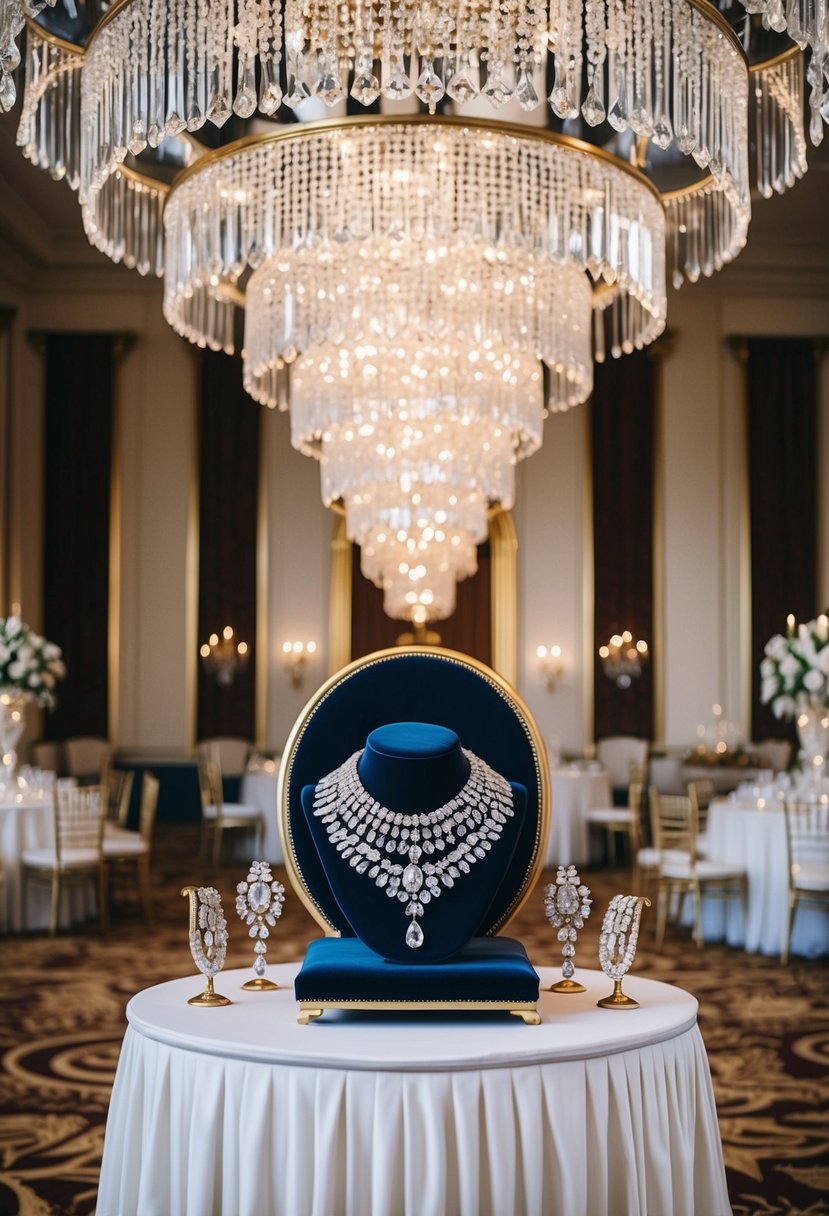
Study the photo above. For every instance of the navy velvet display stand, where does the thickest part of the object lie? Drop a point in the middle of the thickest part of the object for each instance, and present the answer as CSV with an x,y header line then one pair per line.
x,y
411,768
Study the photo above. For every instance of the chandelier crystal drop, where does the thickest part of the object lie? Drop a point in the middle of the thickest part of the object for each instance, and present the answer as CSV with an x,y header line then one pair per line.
x,y
807,23
780,143
380,207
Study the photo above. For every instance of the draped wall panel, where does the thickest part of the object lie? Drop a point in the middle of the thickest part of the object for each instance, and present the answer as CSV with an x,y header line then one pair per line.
x,y
78,422
228,507
781,379
622,448
468,630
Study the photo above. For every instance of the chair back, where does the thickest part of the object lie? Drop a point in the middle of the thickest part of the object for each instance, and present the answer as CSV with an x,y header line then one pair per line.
x,y
210,785
79,818
48,756
776,753
701,793
86,755
230,754
807,838
149,806
616,754
635,791
673,823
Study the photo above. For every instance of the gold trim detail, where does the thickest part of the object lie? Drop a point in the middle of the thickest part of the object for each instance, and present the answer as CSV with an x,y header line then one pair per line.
x,y
765,65
526,1010
302,130
700,187
62,44
497,682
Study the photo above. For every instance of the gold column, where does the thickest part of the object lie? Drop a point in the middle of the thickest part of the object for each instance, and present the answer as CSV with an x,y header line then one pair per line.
x,y
339,603
262,631
7,316
503,545
739,348
191,593
121,346
658,352
588,584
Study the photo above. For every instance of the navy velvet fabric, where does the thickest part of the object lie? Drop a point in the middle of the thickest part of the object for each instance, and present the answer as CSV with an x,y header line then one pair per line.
x,y
436,688
487,969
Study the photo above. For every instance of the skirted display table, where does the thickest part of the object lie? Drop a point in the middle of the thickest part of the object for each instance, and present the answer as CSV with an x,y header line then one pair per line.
x,y
241,1110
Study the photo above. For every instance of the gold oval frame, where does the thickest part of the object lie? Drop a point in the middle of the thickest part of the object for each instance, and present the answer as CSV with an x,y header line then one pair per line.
x,y
501,687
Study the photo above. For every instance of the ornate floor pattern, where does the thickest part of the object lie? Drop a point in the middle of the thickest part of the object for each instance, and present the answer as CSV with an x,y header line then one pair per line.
x,y
62,1021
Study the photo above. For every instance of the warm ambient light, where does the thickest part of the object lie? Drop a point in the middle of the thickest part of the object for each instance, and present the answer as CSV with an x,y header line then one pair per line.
x,y
223,657
550,665
623,658
295,656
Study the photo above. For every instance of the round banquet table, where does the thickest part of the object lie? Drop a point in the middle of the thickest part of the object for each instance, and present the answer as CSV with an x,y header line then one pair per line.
x,y
573,792
240,1110
754,836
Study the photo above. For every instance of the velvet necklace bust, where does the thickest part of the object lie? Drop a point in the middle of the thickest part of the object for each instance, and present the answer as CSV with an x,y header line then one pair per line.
x,y
415,835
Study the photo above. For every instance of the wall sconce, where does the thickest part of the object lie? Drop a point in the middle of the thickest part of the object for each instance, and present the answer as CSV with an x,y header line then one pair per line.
x,y
623,658
550,665
223,657
294,657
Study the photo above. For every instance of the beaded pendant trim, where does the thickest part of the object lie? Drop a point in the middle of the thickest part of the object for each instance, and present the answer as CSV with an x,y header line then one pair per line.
x,y
451,838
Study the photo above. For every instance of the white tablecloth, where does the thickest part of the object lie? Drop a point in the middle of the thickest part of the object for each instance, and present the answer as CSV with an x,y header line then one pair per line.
x,y
25,825
259,789
574,792
756,839
240,1111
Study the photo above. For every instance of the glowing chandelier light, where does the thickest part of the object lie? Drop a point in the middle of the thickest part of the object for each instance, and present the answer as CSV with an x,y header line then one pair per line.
x,y
373,211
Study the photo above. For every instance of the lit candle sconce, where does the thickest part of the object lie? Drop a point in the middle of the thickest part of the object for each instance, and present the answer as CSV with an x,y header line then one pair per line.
x,y
623,658
550,665
223,657
295,656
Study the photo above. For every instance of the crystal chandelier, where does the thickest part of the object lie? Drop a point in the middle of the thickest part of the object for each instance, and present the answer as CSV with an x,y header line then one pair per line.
x,y
420,289
223,657
623,658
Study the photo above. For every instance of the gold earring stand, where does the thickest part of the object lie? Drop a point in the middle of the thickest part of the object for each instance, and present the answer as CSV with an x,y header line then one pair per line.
x,y
260,984
567,986
209,999
617,999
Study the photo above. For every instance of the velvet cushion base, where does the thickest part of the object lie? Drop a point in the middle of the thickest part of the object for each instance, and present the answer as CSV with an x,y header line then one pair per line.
x,y
487,969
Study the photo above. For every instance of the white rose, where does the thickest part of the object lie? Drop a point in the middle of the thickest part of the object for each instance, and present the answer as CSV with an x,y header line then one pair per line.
x,y
4,652
789,667
48,679
17,670
57,668
51,651
814,680
768,667
13,626
769,689
34,680
783,707
776,647
822,661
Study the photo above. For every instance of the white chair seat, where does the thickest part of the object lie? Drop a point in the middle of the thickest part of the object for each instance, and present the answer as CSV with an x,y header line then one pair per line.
x,y
234,810
649,857
811,877
706,871
113,831
124,844
46,858
610,814
702,846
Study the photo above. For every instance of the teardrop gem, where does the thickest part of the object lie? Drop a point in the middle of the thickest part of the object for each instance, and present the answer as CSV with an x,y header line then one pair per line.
x,y
414,935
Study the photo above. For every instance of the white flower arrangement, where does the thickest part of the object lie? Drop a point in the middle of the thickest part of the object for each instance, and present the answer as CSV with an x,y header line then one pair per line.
x,y
796,667
29,665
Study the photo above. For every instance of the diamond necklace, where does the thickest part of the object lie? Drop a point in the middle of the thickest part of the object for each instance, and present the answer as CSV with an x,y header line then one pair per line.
x,y
368,836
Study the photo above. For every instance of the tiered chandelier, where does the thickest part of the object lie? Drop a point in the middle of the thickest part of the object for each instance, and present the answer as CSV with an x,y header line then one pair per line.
x,y
421,287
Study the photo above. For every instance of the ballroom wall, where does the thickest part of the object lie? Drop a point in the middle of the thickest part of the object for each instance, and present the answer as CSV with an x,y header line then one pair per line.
x,y
701,538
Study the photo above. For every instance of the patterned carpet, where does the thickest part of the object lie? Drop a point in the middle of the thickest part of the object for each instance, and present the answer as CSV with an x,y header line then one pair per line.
x,y
62,1021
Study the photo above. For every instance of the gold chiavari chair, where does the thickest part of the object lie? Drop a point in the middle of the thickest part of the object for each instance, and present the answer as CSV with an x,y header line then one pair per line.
x,y
807,862
124,848
219,816
681,870
77,853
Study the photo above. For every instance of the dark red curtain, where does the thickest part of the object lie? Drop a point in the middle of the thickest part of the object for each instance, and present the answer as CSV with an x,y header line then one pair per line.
x,y
781,378
228,498
77,458
468,630
622,439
